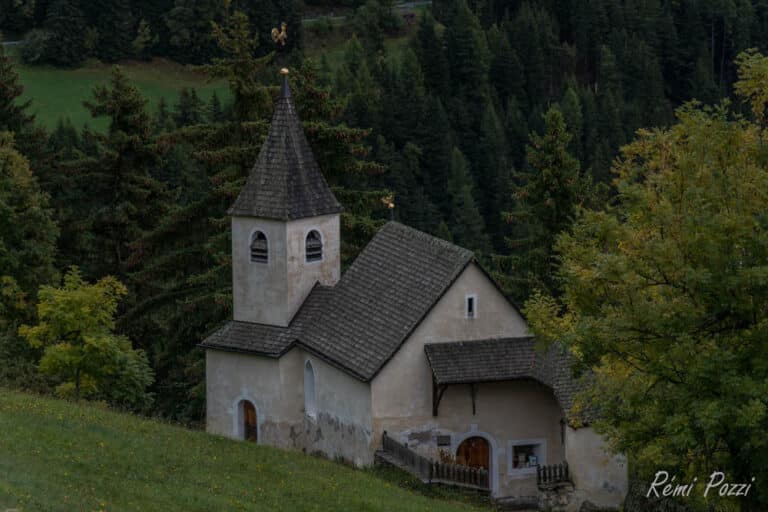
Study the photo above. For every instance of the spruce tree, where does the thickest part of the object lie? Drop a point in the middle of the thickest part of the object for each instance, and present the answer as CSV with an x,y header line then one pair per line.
x,y
435,140
431,53
163,119
493,174
66,24
468,50
116,28
188,109
14,116
216,112
545,201
123,199
466,223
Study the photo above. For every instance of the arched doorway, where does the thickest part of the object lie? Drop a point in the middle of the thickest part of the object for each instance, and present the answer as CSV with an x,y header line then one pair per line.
x,y
474,452
250,429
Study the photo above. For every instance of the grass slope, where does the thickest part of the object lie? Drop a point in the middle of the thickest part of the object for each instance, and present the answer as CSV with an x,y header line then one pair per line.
x,y
56,455
59,93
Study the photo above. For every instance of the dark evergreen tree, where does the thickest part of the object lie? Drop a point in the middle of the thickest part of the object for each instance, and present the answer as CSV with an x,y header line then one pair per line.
x,y
115,25
189,109
466,223
14,115
545,200
435,140
216,112
66,25
163,119
123,199
431,53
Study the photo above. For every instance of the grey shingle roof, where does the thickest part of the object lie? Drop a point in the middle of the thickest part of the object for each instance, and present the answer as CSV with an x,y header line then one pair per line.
x,y
268,340
286,182
504,359
361,322
383,296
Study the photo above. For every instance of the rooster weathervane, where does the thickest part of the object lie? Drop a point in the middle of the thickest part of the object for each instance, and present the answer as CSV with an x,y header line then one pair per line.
x,y
280,36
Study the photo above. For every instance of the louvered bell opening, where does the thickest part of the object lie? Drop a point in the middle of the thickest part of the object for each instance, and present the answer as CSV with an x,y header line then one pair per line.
x,y
314,246
259,249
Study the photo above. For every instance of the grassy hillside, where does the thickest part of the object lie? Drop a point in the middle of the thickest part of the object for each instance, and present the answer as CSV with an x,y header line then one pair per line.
x,y
56,455
59,93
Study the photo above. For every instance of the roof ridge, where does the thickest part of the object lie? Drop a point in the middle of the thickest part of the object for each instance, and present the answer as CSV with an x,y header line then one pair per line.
x,y
423,235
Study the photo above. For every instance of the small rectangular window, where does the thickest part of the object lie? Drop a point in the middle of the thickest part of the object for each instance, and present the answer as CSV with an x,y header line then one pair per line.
x,y
471,311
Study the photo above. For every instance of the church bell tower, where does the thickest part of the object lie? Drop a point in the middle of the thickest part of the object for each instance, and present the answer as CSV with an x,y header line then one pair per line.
x,y
285,225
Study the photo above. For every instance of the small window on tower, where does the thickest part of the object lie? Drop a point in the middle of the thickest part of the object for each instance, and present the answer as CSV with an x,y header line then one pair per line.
x,y
314,246
259,248
471,306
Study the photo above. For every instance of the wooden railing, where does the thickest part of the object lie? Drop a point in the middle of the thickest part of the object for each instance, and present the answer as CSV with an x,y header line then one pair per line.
x,y
552,474
435,472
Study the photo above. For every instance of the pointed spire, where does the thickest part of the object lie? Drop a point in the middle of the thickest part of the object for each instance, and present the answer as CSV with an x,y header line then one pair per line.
x,y
286,183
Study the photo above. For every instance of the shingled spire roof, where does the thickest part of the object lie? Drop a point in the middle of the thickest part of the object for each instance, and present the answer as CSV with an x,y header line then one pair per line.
x,y
286,182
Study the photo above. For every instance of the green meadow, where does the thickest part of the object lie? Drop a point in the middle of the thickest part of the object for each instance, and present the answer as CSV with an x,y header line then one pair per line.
x,y
57,455
59,93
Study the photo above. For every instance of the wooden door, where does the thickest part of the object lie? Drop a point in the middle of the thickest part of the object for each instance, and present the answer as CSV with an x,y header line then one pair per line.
x,y
249,418
474,452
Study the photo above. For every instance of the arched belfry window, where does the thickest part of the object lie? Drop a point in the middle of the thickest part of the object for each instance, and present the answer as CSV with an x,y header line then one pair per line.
x,y
259,248
314,246
310,402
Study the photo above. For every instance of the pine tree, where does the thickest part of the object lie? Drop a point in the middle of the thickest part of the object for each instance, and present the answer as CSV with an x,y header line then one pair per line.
x,y
545,200
466,223
412,206
66,24
402,101
123,199
116,28
431,53
163,119
493,174
468,50
13,111
144,40
506,70
188,110
435,140
533,35
64,141
215,110
570,106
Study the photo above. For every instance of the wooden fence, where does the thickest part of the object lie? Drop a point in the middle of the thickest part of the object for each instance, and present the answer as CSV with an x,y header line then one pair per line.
x,y
434,472
552,474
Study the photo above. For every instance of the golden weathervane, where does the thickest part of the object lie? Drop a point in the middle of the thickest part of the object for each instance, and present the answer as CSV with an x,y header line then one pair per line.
x,y
280,36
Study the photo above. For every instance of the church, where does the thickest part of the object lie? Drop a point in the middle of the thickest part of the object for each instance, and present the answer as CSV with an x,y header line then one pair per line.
x,y
414,340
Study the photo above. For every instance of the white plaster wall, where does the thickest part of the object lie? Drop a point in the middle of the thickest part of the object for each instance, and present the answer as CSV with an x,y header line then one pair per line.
x,y
402,391
231,377
259,291
598,475
340,429
342,426
408,370
271,293
302,275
